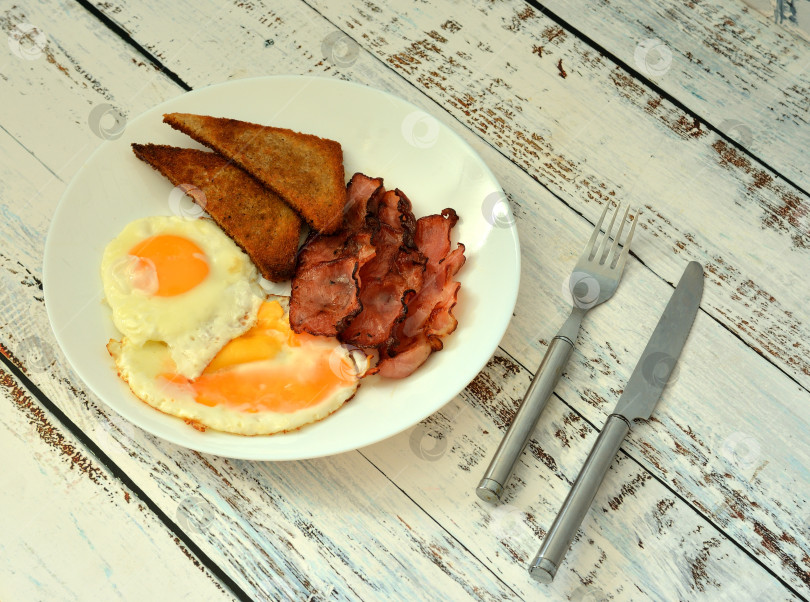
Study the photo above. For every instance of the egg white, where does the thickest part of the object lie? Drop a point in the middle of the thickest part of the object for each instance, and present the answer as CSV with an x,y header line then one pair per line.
x,y
194,325
141,366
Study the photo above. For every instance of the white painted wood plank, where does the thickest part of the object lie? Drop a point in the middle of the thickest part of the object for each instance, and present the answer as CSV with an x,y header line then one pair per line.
x,y
793,16
551,242
71,530
50,66
531,226
734,67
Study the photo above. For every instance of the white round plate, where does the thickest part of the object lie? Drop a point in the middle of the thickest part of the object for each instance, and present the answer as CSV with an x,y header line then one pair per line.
x,y
381,135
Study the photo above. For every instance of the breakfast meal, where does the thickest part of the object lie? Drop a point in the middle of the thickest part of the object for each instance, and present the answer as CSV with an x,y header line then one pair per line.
x,y
372,288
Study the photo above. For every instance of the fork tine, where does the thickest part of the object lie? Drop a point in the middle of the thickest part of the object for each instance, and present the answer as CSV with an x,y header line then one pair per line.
x,y
600,256
613,254
589,248
626,249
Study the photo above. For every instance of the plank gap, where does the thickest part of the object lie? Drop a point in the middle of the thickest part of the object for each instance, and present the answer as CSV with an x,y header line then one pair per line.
x,y
121,33
658,90
28,150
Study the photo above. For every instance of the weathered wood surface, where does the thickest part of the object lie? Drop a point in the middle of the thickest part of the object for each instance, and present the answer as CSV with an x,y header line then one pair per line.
x,y
725,62
793,16
551,243
71,528
366,522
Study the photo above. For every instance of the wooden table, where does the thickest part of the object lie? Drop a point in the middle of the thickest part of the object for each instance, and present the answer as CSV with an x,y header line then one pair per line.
x,y
695,113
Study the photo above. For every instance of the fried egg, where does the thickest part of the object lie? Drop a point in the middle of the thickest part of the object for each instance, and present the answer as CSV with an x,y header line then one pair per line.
x,y
183,283
265,381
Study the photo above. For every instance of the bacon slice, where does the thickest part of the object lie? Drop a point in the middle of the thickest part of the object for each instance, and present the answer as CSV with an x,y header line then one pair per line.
x,y
407,361
395,270
326,285
360,190
330,290
429,312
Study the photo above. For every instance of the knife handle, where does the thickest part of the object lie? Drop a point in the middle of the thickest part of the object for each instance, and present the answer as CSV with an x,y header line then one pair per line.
x,y
576,505
535,400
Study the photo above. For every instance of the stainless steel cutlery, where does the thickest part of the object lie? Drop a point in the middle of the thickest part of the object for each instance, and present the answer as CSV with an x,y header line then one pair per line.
x,y
593,281
642,392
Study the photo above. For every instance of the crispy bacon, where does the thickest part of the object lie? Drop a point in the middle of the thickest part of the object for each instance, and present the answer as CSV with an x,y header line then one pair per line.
x,y
432,235
326,285
359,192
395,270
386,281
429,313
407,361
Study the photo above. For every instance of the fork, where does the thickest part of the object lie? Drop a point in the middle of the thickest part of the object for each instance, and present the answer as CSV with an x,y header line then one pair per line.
x,y
593,281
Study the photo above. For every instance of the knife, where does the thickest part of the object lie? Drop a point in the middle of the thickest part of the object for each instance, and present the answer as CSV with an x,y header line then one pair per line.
x,y
637,402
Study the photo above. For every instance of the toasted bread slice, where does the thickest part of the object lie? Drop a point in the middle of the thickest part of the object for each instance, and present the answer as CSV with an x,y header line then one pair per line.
x,y
304,170
252,216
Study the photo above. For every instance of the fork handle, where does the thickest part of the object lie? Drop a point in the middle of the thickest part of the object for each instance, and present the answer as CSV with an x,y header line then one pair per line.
x,y
500,468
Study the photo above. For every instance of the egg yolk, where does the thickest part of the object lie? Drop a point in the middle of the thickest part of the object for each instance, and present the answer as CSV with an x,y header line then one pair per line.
x,y
271,368
177,262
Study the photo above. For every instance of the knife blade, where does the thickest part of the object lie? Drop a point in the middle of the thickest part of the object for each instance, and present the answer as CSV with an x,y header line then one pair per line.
x,y
649,377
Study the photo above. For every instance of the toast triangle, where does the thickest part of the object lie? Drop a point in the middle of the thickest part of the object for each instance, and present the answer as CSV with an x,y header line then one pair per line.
x,y
304,170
